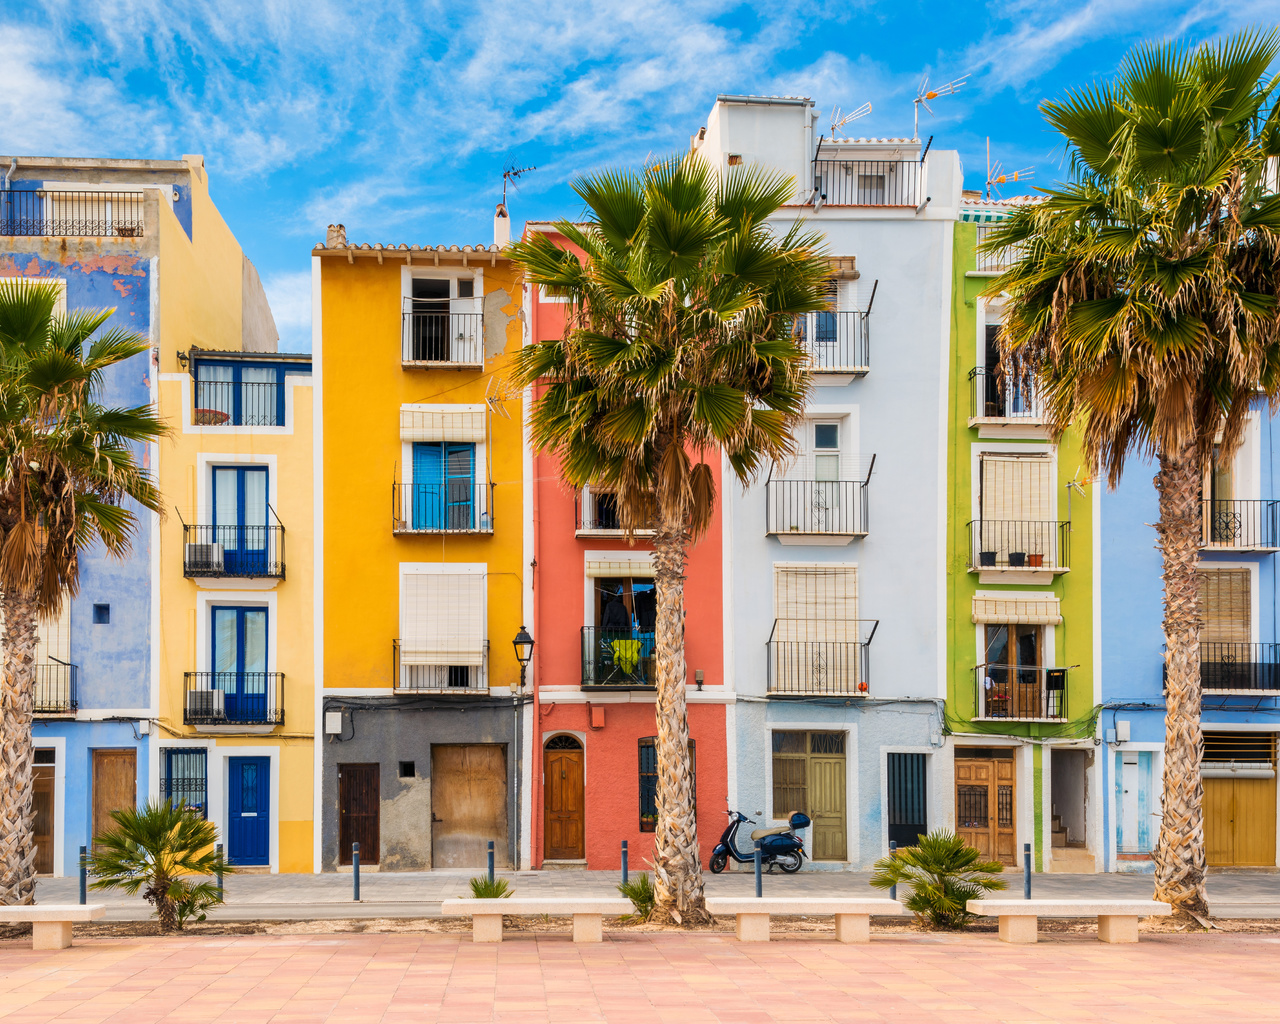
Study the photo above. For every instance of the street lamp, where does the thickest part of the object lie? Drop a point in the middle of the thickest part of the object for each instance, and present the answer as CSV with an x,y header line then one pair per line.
x,y
523,643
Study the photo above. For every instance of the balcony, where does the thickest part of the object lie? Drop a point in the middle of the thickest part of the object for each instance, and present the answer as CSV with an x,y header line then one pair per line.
x,y
226,403
617,659
799,668
1240,668
868,182
991,262
1014,547
234,699
1024,694
451,507
596,514
837,343
438,339
233,552
55,694
997,399
816,511
45,213
1231,525
410,675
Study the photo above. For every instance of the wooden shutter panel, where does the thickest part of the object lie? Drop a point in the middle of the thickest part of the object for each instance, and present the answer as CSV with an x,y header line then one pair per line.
x,y
816,603
1225,614
442,619
1018,489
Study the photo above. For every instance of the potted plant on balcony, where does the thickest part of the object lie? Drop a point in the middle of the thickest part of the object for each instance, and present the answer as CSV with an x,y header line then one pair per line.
x,y
1035,560
986,559
1017,559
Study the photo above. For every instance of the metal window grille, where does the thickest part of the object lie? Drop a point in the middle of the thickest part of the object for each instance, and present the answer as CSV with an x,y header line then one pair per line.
x,y
908,818
648,749
186,778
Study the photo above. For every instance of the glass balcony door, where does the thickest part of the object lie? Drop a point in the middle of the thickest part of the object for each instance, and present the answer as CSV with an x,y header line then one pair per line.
x,y
444,479
240,662
240,519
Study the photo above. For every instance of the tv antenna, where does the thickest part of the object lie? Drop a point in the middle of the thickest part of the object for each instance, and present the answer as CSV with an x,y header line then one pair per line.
x,y
925,94
838,121
997,175
510,176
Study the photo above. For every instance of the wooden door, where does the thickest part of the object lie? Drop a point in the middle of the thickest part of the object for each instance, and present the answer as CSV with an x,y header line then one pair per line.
x,y
1240,822
563,805
42,776
468,805
358,811
115,785
827,806
985,807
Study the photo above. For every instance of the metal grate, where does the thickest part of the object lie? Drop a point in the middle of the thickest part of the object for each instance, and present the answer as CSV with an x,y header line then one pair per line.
x,y
1004,806
971,807
648,750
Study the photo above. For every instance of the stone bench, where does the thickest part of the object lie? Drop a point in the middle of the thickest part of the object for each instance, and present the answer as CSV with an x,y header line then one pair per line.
x,y
853,916
486,915
1117,919
51,922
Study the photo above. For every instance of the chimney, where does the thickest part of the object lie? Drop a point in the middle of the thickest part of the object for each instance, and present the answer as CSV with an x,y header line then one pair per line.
x,y
336,237
501,226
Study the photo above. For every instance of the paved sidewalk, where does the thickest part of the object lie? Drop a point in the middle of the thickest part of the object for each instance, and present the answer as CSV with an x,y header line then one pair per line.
x,y
630,979
418,894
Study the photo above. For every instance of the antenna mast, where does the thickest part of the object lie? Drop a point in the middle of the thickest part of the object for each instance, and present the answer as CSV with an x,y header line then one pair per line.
x,y
512,175
997,175
925,94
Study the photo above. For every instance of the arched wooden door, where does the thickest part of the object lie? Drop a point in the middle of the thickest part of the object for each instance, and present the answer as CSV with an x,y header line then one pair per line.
x,y
563,811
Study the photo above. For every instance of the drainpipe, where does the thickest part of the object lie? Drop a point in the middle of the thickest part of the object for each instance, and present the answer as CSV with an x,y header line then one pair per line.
x,y
13,166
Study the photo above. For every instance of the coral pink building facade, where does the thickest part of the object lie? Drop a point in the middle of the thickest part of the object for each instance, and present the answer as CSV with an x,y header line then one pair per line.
x,y
593,701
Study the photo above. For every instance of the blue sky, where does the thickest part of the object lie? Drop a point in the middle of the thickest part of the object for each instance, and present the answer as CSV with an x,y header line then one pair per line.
x,y
397,119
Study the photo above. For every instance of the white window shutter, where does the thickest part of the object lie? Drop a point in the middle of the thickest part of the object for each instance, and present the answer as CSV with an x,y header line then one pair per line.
x,y
816,603
442,619
442,423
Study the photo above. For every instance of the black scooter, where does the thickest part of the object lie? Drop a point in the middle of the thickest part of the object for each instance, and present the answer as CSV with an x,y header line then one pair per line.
x,y
779,845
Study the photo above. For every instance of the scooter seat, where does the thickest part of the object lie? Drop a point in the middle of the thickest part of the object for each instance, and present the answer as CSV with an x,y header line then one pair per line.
x,y
760,833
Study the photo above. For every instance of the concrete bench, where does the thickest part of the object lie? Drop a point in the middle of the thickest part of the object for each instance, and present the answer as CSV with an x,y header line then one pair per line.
x,y
486,915
853,916
1117,919
51,922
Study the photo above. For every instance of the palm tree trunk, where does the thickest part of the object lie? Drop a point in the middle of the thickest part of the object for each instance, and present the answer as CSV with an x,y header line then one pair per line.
x,y
1179,855
677,867
17,691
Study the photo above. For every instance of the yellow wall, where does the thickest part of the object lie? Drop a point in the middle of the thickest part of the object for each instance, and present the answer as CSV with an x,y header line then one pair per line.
x,y
364,387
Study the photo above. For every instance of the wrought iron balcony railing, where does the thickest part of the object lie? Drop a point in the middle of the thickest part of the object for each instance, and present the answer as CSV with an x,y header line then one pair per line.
x,y
234,698
46,212
224,403
410,671
247,552
450,507
56,689
800,667
1249,524
441,339
868,182
596,511
1022,693
1251,668
994,396
618,657
836,342
1019,544
817,507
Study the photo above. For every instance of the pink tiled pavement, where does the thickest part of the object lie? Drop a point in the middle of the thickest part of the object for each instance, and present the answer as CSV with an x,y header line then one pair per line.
x,y
628,979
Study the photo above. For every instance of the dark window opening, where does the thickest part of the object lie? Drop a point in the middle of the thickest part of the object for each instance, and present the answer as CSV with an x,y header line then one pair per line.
x,y
649,782
45,755
408,770
466,287
908,801
101,614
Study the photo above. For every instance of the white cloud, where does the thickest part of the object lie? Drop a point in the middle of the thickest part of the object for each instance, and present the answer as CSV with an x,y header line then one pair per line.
x,y
290,296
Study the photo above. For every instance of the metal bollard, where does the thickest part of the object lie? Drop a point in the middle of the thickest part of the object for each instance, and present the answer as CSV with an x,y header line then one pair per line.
x,y
893,852
84,875
491,862
355,871
624,862
218,850
1026,871
759,880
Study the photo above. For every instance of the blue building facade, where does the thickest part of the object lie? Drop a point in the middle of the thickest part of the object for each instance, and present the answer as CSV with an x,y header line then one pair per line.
x,y
1238,653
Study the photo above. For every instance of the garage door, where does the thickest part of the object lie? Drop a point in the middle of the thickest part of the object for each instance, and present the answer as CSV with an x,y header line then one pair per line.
x,y
1238,770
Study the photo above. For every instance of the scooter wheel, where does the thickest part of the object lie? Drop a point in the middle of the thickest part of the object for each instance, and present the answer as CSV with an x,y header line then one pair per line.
x,y
718,862
790,862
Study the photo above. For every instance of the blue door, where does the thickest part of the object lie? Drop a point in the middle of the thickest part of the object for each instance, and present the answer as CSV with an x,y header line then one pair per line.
x,y
249,810
240,519
240,662
444,477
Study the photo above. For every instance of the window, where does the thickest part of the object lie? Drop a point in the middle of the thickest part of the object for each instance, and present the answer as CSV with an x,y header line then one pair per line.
x,y
443,322
442,630
619,648
649,782
240,661
444,478
1225,613
408,770
237,394
240,518
1016,511
908,798
871,189
186,778
815,644
101,614
44,755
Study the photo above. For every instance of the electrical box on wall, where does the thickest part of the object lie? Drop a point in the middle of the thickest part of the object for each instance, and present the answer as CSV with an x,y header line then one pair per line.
x,y
333,723
1122,732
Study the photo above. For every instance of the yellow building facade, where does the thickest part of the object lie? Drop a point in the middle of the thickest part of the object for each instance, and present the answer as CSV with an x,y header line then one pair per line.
x,y
422,568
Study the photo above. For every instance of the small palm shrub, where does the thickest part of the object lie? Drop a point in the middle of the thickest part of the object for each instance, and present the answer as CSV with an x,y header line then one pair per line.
x,y
167,851
941,875
484,889
639,891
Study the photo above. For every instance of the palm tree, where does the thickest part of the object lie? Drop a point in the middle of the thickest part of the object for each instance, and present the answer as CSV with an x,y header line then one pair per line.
x,y
66,463
1145,295
680,342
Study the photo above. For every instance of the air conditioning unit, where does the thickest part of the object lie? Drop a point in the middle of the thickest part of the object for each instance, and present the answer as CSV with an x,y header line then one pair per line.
x,y
204,557
206,704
